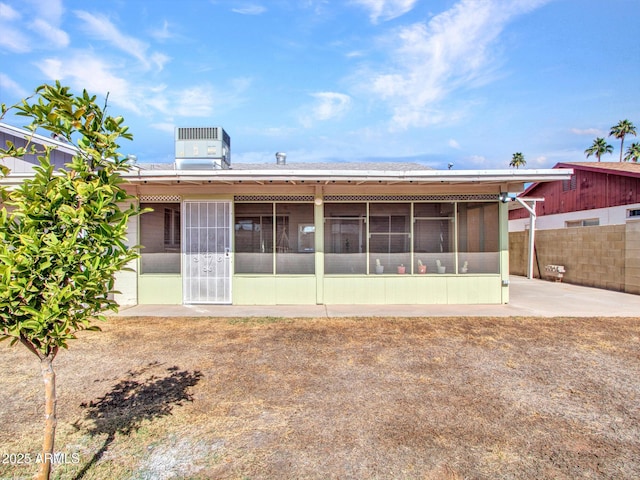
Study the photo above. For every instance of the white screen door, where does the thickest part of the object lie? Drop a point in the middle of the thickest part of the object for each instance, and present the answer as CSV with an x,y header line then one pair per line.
x,y
207,252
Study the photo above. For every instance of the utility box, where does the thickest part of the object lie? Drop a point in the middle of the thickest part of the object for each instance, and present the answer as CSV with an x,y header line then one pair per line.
x,y
202,148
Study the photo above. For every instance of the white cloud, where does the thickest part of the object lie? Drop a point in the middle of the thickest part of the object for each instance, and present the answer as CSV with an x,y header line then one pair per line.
x,y
250,10
89,72
46,15
194,102
164,127
240,84
54,36
539,161
158,100
454,144
7,13
159,60
277,132
8,85
429,61
11,37
163,33
594,132
328,106
386,9
477,160
51,10
102,28
85,71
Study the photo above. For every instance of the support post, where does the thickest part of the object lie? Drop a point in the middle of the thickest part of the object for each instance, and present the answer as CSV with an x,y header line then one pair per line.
x,y
532,241
532,229
318,220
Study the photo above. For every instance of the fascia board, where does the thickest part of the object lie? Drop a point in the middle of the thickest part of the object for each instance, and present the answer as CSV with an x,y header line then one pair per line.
x,y
436,176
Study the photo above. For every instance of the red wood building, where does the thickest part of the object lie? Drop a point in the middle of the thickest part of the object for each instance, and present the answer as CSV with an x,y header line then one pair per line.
x,y
593,185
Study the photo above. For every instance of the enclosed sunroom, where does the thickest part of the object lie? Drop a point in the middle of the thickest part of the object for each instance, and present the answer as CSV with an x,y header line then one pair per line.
x,y
322,234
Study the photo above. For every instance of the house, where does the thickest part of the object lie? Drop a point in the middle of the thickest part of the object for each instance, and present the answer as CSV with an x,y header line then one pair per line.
x,y
297,233
62,151
601,197
598,193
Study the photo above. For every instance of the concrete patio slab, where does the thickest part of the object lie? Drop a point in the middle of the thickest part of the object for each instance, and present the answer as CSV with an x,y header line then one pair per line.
x,y
537,298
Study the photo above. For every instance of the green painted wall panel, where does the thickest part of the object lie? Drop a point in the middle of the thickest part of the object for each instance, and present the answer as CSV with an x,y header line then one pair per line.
x,y
428,289
253,290
295,290
504,261
474,290
160,290
346,290
421,289
272,290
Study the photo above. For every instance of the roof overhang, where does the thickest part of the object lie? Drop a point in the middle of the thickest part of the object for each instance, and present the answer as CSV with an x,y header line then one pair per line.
x,y
457,177
622,169
504,180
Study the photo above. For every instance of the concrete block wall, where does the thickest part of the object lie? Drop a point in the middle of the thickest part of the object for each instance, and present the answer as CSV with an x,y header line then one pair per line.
x,y
632,257
593,256
518,245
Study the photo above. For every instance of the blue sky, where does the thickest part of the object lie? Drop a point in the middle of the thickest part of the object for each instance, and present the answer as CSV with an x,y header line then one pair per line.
x,y
432,81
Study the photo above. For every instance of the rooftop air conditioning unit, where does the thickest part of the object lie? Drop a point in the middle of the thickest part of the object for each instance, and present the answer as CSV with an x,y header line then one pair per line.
x,y
202,148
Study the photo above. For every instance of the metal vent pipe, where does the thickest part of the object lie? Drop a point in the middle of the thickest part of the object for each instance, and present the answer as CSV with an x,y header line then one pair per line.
x,y
281,158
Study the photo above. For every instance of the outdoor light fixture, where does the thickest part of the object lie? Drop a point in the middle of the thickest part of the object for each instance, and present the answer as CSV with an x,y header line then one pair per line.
x,y
504,197
318,201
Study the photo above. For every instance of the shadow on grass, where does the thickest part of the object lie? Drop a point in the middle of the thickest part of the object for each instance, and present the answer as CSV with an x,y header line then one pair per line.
x,y
134,400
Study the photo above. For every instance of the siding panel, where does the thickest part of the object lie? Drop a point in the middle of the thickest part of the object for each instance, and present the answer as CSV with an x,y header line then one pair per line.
x,y
593,189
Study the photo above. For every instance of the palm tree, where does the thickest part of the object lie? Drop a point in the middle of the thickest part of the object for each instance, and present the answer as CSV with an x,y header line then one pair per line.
x,y
599,147
633,152
623,128
518,160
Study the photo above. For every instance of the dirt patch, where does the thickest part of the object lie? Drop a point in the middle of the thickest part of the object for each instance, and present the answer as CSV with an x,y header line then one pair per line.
x,y
395,398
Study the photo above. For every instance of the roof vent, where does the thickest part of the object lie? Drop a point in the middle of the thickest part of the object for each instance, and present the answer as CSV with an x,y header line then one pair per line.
x,y
281,158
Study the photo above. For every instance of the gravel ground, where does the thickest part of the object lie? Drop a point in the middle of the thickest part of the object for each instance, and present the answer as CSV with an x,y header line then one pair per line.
x,y
355,398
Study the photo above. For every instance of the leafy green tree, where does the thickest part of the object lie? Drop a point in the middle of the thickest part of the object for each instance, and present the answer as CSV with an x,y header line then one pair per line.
x,y
63,234
518,160
621,130
633,153
599,147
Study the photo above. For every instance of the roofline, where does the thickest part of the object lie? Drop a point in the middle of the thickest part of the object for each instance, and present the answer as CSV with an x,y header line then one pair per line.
x,y
601,169
580,166
425,176
504,177
48,141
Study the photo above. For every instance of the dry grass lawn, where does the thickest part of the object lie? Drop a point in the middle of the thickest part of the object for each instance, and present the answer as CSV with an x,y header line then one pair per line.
x,y
370,398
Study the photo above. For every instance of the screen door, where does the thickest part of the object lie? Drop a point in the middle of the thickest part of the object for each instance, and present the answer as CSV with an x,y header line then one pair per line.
x,y
207,252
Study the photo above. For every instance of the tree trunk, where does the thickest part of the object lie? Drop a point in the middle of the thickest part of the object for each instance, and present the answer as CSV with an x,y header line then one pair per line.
x,y
50,418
